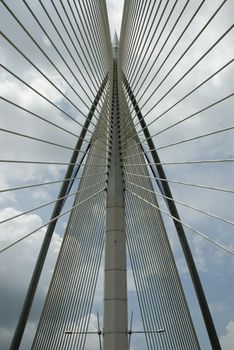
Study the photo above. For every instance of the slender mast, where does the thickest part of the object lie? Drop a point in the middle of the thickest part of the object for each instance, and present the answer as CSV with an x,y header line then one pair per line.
x,y
115,330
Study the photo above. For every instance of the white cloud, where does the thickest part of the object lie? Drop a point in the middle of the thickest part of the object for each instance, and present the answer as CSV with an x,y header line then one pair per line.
x,y
16,266
227,340
115,8
41,194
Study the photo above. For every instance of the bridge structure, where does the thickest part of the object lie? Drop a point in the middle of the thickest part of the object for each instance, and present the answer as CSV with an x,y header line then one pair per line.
x,y
130,142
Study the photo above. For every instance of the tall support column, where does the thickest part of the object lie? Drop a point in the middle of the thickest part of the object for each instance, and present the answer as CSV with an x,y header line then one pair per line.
x,y
115,282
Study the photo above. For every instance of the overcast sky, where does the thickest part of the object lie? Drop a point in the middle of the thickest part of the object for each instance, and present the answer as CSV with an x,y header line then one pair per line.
x,y
215,266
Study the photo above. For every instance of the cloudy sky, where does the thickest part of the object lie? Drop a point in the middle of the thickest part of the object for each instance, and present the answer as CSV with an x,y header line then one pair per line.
x,y
215,266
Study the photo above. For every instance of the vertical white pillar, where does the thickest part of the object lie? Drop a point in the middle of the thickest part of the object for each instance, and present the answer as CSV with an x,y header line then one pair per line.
x,y
115,330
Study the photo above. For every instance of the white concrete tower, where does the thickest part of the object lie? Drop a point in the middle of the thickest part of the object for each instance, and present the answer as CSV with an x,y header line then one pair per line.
x,y
115,330
115,46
